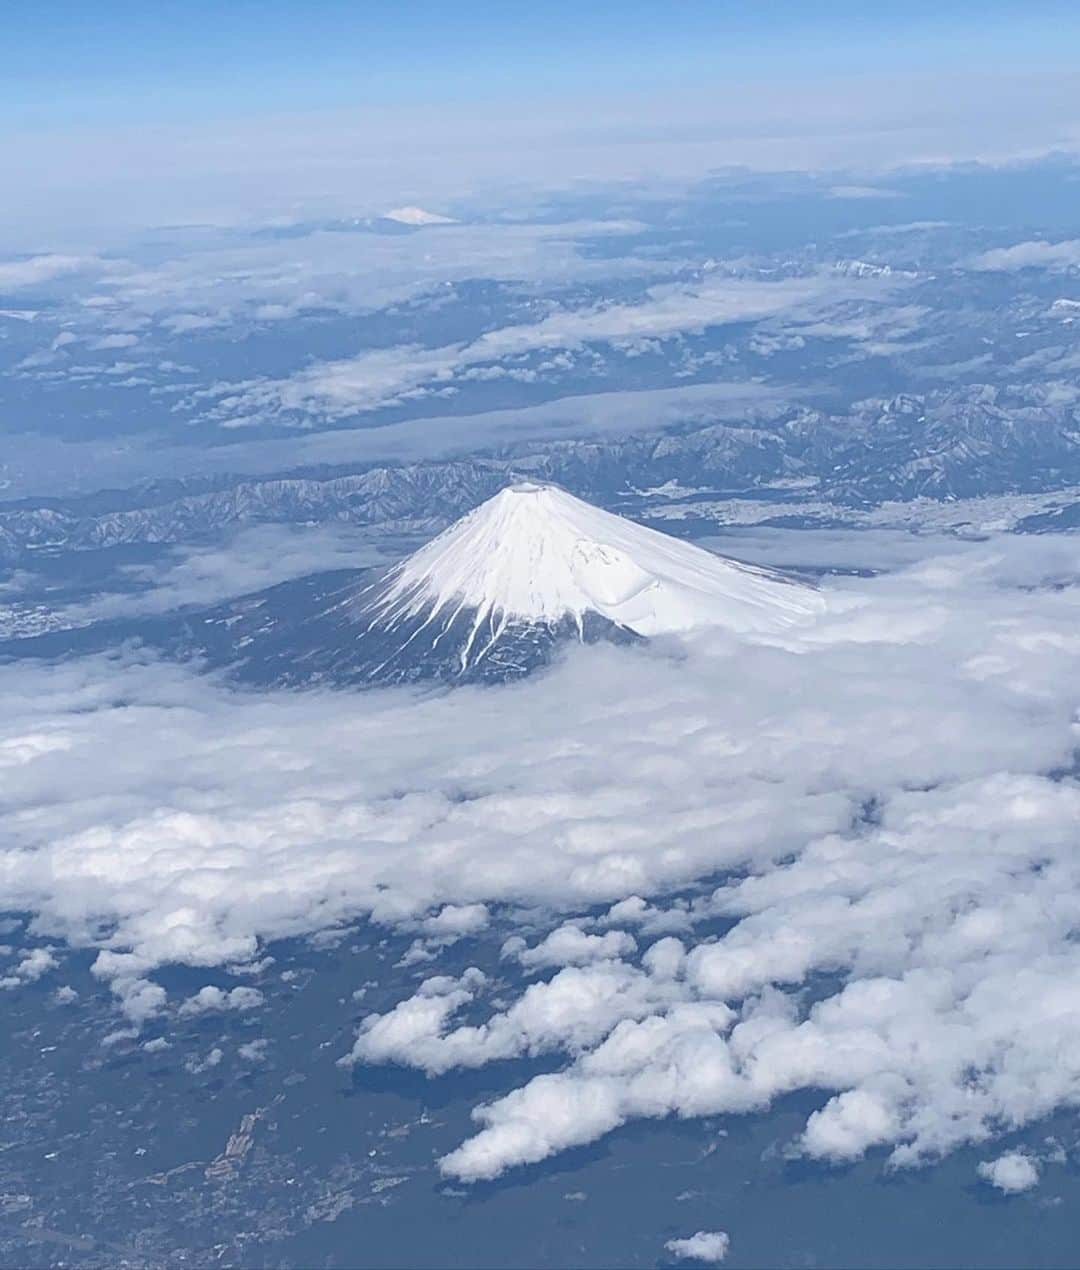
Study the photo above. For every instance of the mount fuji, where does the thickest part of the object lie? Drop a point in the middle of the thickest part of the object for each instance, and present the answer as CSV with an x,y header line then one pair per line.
x,y
493,597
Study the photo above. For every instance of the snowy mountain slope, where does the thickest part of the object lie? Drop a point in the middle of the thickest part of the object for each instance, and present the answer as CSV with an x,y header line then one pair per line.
x,y
417,216
536,555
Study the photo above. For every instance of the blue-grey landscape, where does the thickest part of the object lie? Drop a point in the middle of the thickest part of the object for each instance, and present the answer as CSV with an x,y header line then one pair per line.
x,y
540,636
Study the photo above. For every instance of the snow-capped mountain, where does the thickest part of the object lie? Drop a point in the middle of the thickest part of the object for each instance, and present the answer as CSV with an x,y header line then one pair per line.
x,y
535,554
493,596
417,216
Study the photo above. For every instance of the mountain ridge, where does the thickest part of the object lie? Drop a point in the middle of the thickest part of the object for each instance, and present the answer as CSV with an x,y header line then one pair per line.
x,y
956,444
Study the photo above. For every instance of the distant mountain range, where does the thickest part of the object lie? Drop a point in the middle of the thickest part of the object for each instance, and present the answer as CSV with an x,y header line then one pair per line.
x,y
950,444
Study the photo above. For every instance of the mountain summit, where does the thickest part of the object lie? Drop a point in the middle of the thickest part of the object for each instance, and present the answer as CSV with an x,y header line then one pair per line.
x,y
535,554
493,596
417,216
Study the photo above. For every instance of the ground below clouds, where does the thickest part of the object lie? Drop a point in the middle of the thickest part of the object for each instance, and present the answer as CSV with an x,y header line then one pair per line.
x,y
837,869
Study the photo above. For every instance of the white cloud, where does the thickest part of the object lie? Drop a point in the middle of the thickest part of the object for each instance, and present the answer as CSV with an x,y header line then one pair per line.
x,y
36,270
1030,255
1011,1173
212,998
871,810
24,748
450,924
35,963
251,559
185,323
570,946
120,340
908,227
877,330
213,1059
710,1246
140,999
862,192
376,378
453,921
227,278
571,1011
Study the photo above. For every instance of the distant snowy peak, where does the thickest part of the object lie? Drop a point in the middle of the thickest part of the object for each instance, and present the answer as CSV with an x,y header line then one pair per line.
x,y
417,216
535,555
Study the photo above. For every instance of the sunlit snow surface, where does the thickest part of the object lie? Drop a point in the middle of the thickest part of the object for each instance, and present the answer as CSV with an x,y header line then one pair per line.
x,y
535,553
417,216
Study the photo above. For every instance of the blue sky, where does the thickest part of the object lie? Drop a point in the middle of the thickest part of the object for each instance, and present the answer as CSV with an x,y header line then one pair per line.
x,y
115,60
123,114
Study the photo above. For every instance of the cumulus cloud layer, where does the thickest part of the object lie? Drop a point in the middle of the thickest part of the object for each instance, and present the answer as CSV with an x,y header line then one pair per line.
x,y
1011,1173
33,271
872,828
710,1246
